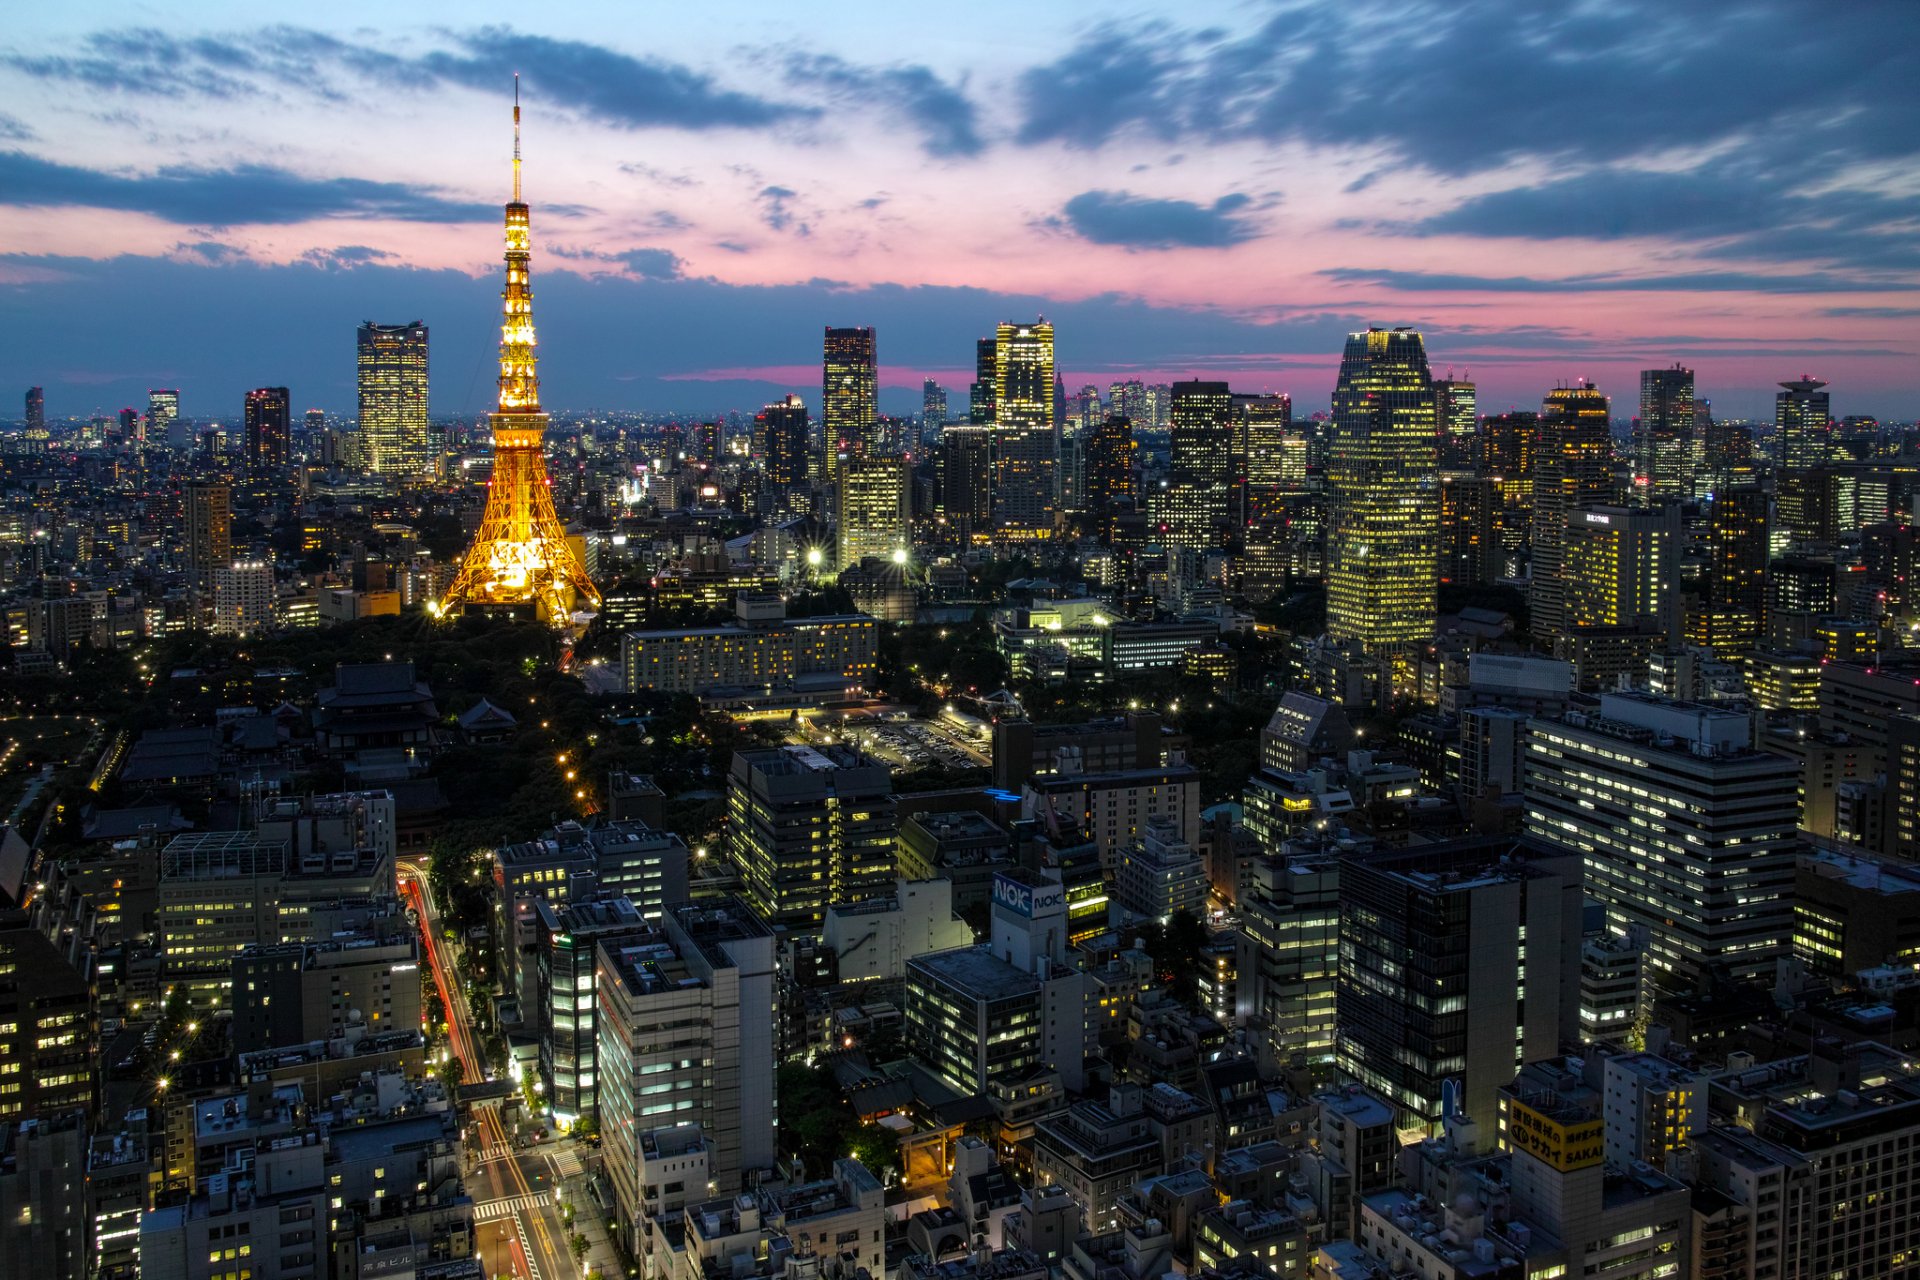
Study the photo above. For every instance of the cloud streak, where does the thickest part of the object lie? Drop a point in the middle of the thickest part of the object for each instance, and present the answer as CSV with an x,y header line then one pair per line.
x,y
1140,222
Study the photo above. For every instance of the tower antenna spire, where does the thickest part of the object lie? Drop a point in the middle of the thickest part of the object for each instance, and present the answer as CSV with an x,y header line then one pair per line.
x,y
516,137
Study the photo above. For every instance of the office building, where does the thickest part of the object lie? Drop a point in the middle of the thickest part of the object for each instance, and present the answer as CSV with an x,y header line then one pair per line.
x,y
1572,471
1613,988
765,652
1114,808
163,412
36,413
983,392
1160,875
43,1197
1288,955
1727,611
1688,831
849,398
1470,550
1802,424
1195,506
242,598
48,1028
1110,463
1666,447
1458,962
685,1035
871,499
1621,568
933,409
1853,912
269,431
1456,415
1026,441
1384,513
809,827
393,398
209,533
565,1011
1507,444
293,993
1264,455
966,483
874,938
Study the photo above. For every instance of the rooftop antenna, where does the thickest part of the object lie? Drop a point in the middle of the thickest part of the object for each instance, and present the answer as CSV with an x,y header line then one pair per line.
x,y
516,137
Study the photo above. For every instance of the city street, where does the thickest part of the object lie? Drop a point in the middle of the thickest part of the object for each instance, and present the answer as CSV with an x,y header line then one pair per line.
x,y
516,1222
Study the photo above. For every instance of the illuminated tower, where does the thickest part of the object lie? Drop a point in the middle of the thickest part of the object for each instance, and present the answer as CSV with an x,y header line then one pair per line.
x,y
1383,557
1262,427
1026,442
269,430
36,411
1802,423
780,442
966,483
1572,471
393,396
980,392
1195,504
1664,448
163,409
520,554
1456,413
849,403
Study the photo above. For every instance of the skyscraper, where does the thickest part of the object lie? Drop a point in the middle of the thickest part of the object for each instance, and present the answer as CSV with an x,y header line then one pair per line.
x,y
1109,462
1666,445
393,397
1621,568
1687,830
1572,471
966,482
1194,506
1263,425
269,430
849,391
1802,424
209,535
520,554
980,395
1384,509
1727,611
1456,412
780,442
163,410
871,498
933,408
36,411
1026,440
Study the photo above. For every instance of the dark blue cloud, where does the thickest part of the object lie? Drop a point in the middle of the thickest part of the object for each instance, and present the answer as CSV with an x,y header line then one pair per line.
x,y
1462,86
776,210
653,264
947,119
1677,282
241,196
1138,222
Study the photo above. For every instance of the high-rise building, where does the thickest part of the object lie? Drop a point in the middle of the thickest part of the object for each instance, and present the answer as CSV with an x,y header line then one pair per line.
x,y
1384,511
1666,442
1621,568
980,394
849,397
209,533
1802,424
1456,415
1025,438
933,408
1191,511
521,555
1109,462
393,397
269,428
966,482
1507,443
36,419
780,443
1470,551
871,498
1289,952
808,827
1572,471
1687,830
685,1034
1458,962
1266,454
242,598
48,1031
163,410
1727,611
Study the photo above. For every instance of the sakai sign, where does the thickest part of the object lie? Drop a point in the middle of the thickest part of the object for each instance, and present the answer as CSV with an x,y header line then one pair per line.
x,y
1026,899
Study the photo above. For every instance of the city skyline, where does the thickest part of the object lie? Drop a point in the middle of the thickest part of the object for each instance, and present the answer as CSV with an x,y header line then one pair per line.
x,y
811,175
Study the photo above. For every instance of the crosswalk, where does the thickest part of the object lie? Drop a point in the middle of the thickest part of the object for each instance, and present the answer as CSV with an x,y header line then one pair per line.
x,y
507,1206
491,1152
566,1163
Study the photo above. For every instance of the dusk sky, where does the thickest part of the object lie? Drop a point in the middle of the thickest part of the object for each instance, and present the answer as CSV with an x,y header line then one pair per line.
x,y
191,198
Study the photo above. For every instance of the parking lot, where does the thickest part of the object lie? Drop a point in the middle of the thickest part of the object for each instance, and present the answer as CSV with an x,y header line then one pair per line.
x,y
910,744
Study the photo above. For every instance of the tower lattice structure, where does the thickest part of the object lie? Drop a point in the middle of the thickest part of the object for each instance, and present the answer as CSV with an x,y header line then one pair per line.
x,y
520,554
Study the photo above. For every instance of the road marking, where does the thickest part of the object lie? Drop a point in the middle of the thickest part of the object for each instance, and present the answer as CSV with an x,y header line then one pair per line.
x,y
506,1206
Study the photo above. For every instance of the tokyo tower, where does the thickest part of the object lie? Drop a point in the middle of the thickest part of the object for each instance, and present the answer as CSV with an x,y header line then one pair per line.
x,y
520,555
